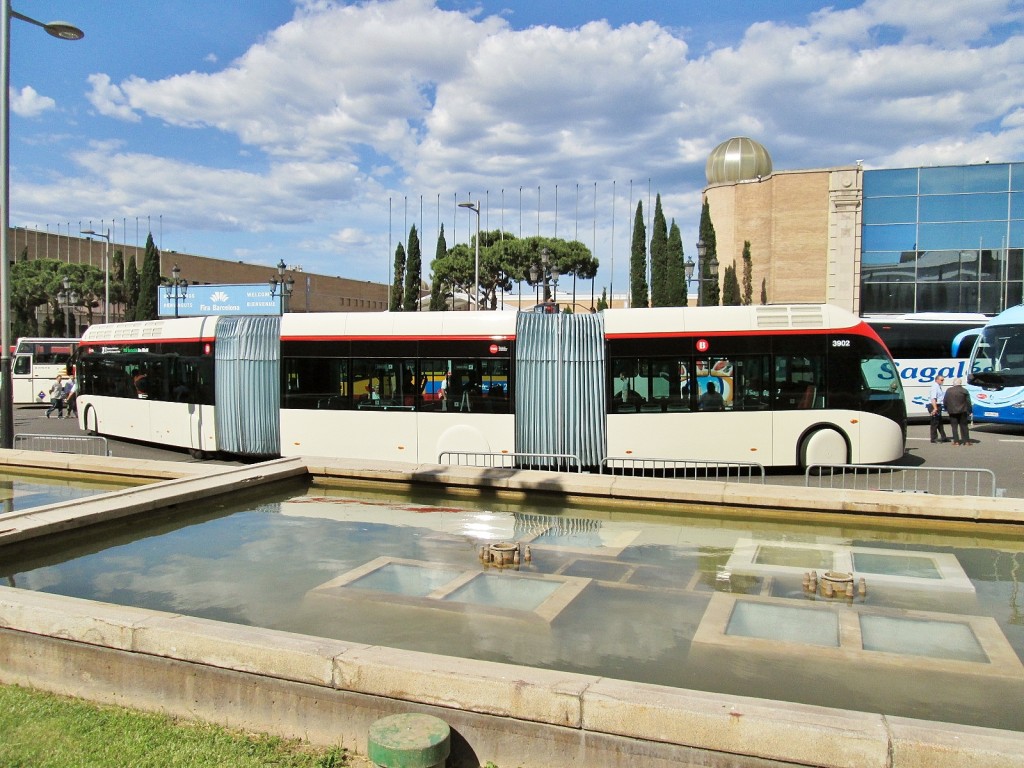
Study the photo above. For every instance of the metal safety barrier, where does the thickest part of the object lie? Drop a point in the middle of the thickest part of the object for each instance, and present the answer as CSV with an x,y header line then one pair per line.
x,y
554,462
86,445
726,471
945,481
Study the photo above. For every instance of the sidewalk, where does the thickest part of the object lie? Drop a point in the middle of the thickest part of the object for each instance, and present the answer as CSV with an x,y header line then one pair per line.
x,y
992,447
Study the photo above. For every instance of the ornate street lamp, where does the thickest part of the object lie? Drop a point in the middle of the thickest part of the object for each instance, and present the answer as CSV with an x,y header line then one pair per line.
x,y
542,273
67,299
176,287
283,285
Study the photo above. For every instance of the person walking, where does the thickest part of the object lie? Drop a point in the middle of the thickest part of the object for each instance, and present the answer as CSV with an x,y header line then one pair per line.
x,y
938,432
56,397
957,402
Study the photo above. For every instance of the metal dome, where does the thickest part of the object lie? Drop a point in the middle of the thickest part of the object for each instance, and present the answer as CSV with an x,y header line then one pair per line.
x,y
737,159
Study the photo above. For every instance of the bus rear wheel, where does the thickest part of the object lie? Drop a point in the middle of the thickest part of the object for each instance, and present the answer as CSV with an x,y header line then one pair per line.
x,y
824,446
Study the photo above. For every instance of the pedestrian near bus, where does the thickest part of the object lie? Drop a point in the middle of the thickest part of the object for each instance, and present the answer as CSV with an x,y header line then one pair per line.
x,y
957,402
56,397
937,430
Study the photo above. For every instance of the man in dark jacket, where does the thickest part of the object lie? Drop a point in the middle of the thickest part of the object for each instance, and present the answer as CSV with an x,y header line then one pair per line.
x,y
957,402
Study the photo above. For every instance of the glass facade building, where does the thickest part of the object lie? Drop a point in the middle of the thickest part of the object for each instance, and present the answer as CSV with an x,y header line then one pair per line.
x,y
943,239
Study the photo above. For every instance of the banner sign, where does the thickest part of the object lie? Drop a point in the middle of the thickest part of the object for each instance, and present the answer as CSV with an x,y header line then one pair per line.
x,y
203,300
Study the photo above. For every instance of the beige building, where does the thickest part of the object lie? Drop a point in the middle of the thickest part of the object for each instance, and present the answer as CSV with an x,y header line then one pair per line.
x,y
803,226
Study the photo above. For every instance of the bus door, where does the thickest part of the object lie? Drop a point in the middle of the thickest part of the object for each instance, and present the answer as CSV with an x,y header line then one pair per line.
x,y
24,386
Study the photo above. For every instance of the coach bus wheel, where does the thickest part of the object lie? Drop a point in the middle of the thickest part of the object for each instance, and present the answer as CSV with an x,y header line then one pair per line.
x,y
824,446
197,454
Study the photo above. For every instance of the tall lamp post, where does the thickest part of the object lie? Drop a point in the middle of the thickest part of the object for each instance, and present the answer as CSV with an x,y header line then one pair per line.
x,y
542,273
475,208
285,286
176,287
64,31
67,299
106,270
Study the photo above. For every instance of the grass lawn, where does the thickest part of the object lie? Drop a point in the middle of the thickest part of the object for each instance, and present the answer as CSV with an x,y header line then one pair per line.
x,y
40,730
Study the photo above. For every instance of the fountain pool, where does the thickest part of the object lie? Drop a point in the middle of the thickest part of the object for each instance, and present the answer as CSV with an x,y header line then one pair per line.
x,y
695,602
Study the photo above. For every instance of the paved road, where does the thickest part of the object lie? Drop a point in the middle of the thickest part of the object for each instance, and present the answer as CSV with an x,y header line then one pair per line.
x,y
997,448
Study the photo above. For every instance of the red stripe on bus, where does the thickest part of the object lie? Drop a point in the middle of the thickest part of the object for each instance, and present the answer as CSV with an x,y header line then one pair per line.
x,y
380,337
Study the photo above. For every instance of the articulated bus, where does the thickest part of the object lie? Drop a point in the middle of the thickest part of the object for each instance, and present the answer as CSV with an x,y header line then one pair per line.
x,y
37,362
792,385
925,345
996,378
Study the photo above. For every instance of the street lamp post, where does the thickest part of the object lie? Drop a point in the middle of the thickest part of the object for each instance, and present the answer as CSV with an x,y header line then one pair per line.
x,y
475,208
67,299
543,273
106,270
286,286
64,31
708,270
176,287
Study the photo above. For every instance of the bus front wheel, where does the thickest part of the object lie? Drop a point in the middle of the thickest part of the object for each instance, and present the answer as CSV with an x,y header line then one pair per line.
x,y
824,446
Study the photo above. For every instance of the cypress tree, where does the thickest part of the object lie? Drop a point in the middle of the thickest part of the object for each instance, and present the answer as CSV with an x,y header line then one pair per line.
x,y
731,296
659,257
437,297
748,275
131,288
413,273
709,290
676,274
638,261
764,290
397,287
149,283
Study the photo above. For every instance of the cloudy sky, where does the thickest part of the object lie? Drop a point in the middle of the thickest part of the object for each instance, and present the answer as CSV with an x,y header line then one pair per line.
x,y
318,131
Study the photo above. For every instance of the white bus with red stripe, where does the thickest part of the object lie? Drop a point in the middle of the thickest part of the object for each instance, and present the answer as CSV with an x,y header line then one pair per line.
x,y
792,385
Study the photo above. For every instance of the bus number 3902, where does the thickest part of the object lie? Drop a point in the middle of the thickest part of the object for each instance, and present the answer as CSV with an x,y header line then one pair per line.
x,y
840,342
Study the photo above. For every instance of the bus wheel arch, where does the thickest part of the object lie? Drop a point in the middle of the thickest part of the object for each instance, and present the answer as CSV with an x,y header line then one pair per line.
x,y
823,444
91,421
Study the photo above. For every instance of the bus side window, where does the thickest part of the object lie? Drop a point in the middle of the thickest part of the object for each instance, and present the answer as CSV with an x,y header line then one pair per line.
x,y
22,365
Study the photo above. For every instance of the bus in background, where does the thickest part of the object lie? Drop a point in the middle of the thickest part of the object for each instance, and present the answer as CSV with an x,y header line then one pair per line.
x,y
778,385
996,378
925,345
37,362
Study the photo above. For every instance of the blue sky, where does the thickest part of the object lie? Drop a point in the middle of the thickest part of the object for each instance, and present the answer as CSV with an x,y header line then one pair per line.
x,y
318,132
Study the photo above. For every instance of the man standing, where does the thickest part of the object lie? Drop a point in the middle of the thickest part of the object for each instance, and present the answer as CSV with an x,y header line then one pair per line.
x,y
938,432
958,405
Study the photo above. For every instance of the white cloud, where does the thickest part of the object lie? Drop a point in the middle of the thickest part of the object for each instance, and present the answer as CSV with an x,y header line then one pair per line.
x,y
349,105
110,99
28,103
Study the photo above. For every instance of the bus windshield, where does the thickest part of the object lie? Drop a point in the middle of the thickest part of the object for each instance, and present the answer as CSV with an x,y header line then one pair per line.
x,y
998,359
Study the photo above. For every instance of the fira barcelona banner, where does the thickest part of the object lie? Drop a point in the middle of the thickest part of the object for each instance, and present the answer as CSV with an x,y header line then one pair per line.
x,y
202,300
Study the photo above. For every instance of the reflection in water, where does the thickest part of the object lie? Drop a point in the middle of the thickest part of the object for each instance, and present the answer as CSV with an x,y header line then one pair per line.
x,y
644,583
19,493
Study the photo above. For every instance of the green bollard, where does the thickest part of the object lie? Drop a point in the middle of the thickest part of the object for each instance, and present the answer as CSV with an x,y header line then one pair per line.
x,y
409,741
